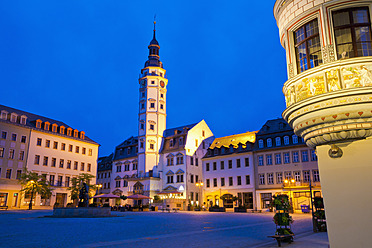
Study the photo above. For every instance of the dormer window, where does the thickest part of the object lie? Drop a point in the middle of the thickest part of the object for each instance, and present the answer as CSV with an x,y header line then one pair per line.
x,y
76,133
171,143
277,141
223,150
181,141
215,151
13,117
54,128
82,135
62,130
231,148
23,119
294,139
269,142
38,123
260,143
286,140
69,131
46,126
4,115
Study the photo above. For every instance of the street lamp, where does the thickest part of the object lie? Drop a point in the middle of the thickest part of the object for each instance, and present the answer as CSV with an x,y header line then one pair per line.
x,y
32,194
199,184
289,183
99,186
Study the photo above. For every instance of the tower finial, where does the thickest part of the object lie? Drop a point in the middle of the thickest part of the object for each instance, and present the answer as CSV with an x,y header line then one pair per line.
x,y
154,25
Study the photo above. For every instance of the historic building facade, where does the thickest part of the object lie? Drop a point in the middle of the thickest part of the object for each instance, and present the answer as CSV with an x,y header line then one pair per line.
x,y
104,168
284,165
48,147
329,101
228,171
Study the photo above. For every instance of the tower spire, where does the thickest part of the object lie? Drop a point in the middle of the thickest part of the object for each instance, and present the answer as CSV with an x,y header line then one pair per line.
x,y
154,26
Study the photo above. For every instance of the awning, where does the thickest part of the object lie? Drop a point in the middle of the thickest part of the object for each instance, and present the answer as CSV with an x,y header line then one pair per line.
x,y
106,196
169,192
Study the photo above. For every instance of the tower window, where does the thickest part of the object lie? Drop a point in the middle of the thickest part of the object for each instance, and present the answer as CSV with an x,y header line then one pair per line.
x,y
142,126
161,106
307,46
151,126
141,144
152,105
152,82
151,146
143,94
162,95
142,105
352,32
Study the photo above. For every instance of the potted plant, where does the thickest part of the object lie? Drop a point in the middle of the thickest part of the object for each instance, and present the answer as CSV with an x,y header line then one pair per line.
x,y
135,208
145,208
240,209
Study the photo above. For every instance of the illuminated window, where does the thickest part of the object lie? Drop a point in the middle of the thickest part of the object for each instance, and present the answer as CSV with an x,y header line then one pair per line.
x,y
46,126
286,140
76,133
11,153
38,123
62,130
307,46
294,139
54,128
352,28
277,141
2,152
297,176
316,177
306,175
21,155
90,152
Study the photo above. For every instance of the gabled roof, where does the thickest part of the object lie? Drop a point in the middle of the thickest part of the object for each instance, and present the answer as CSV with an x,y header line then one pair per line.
x,y
31,122
169,188
105,163
274,126
169,173
171,131
121,151
180,171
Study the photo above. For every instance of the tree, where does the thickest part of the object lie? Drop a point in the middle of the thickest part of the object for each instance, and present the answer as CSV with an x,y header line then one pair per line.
x,y
77,183
33,184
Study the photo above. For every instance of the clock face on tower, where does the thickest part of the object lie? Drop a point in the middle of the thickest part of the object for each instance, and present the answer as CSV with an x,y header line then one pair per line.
x,y
162,84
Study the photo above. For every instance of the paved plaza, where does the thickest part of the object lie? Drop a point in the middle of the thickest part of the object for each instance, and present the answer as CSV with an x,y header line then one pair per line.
x,y
151,229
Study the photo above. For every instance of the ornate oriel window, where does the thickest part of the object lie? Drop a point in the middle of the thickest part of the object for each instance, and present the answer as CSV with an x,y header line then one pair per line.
x,y
307,46
352,29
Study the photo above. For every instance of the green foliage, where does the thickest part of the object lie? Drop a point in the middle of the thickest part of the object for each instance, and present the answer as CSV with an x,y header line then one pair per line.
x,y
157,199
281,202
33,184
77,182
283,231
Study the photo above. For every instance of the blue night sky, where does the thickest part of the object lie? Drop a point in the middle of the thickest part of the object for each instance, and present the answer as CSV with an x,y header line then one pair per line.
x,y
79,62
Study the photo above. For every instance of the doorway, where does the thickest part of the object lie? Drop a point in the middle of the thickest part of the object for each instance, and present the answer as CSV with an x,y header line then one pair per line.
x,y
61,199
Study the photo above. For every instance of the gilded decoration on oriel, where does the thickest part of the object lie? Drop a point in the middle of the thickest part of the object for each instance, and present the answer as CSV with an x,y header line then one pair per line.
x,y
309,87
358,76
329,81
333,80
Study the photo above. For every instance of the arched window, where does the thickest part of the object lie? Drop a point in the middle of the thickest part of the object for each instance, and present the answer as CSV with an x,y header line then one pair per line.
x,y
260,143
286,140
269,142
277,141
294,139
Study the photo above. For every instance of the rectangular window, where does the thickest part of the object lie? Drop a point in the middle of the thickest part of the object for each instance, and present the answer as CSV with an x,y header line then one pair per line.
x,y
196,162
82,166
191,160
239,180
222,165
51,180
313,156
23,139
269,159
37,159
3,134
38,142
54,161
278,159
76,164
59,181
55,145
214,182
83,151
238,163
307,46
207,182
61,163
67,181
89,167
21,155
222,181
295,158
151,146
261,179
231,182
214,165
118,168
152,105
45,162
191,178
247,179
306,175
14,137
316,177
90,152
11,153
117,184
68,166
70,148
260,160
297,176
77,149
286,158
19,173
305,156
151,126
230,164
207,167
270,178
1,152
279,177
352,28
288,175
8,173
47,143
63,146
246,161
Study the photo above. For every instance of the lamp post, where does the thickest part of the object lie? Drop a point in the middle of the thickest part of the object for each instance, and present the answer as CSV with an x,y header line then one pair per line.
x,y
199,184
99,186
290,182
32,194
